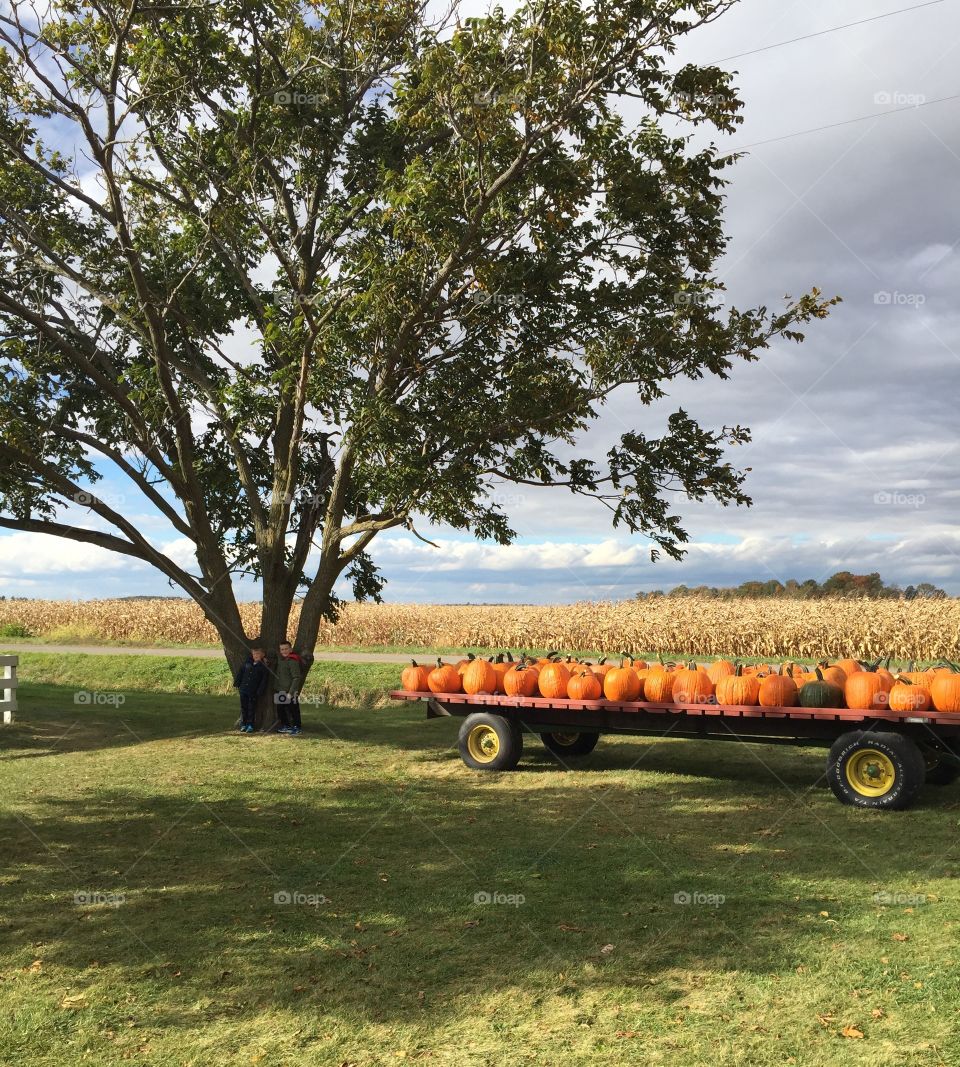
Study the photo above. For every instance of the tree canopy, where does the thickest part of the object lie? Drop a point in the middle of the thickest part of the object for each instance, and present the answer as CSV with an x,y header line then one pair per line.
x,y
301,272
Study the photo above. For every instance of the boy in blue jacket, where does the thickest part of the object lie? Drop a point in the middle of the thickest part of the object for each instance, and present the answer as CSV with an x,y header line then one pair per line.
x,y
251,680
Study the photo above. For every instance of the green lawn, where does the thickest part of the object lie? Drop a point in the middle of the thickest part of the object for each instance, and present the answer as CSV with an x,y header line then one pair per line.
x,y
144,844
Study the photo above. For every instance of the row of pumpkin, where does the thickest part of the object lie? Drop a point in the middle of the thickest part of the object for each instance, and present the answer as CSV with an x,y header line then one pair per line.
x,y
848,683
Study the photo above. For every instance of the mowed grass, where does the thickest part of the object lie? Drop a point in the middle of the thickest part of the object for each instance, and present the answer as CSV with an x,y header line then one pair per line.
x,y
381,839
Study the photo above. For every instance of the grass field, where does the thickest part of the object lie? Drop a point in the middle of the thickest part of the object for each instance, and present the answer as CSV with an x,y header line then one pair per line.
x,y
145,845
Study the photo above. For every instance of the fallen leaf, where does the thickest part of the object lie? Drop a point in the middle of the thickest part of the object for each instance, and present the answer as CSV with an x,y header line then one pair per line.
x,y
627,1033
877,1013
901,937
824,1020
472,922
851,1031
35,966
74,1000
606,950
824,914
567,928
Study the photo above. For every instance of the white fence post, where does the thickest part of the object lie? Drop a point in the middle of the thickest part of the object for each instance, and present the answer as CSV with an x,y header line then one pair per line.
x,y
8,687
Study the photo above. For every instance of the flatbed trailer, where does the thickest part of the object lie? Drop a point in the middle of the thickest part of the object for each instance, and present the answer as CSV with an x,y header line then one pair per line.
x,y
877,759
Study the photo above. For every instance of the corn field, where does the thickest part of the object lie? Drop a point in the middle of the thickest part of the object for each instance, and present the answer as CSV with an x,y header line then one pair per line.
x,y
766,627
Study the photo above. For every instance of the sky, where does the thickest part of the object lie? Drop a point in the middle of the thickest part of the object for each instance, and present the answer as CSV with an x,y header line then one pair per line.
x,y
855,447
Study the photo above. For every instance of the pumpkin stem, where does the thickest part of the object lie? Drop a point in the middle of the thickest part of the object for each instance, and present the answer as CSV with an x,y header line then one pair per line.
x,y
819,674
413,663
601,661
439,662
509,657
739,671
903,681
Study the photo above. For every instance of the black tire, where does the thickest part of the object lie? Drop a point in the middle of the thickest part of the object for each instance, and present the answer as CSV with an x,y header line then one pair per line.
x,y
570,744
875,770
490,742
939,771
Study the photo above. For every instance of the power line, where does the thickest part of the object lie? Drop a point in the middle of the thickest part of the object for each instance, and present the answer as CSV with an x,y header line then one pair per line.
x,y
820,33
848,122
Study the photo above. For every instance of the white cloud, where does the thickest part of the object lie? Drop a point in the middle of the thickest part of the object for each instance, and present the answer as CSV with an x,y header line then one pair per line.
x,y
32,554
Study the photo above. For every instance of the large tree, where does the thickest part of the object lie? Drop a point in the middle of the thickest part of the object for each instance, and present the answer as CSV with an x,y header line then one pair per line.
x,y
301,272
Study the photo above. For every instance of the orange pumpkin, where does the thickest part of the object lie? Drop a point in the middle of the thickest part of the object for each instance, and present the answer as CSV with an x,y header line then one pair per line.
x,y
834,675
905,696
738,689
584,685
500,669
692,686
777,691
622,685
720,668
867,690
658,686
444,678
849,666
464,663
601,668
552,680
414,678
480,677
945,691
521,681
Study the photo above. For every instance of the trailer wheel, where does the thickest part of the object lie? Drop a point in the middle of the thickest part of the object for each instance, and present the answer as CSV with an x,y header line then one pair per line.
x,y
875,770
939,771
490,742
564,744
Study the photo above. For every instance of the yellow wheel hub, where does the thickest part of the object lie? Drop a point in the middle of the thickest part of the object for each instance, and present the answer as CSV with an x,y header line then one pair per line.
x,y
871,773
566,739
483,743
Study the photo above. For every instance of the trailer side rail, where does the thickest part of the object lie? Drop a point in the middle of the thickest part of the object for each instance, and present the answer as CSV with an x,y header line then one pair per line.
x,y
931,718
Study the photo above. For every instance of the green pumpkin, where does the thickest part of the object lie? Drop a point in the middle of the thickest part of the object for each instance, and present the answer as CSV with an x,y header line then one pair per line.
x,y
820,694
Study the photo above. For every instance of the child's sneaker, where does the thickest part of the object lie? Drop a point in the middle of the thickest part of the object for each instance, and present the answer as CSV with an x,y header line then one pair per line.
x,y
293,731
284,729
248,729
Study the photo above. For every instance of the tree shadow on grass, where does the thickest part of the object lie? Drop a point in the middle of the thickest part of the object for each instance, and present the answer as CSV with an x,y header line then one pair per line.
x,y
381,897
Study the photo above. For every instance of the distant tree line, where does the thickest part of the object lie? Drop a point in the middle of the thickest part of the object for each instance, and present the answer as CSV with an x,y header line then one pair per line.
x,y
843,583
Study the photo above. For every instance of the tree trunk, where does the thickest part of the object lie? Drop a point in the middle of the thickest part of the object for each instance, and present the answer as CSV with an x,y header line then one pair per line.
x,y
274,618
